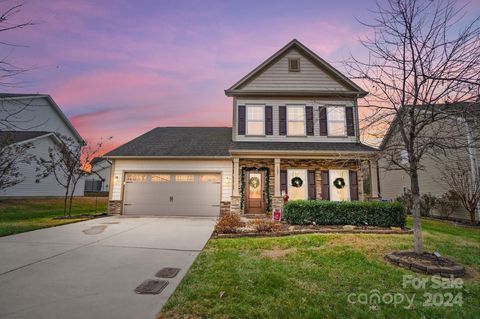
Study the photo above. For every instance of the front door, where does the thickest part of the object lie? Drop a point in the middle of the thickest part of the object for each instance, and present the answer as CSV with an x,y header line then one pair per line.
x,y
255,192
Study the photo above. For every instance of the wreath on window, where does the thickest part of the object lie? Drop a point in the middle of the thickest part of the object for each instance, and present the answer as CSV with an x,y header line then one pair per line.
x,y
254,182
297,182
339,183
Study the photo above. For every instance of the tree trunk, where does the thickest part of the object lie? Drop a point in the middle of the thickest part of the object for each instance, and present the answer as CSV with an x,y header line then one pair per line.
x,y
71,199
472,215
417,229
65,202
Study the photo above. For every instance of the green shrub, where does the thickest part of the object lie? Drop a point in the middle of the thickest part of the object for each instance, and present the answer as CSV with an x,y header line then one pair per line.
x,y
382,214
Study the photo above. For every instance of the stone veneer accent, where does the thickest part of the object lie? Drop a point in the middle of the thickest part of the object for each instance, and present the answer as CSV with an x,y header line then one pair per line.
x,y
310,164
224,208
277,203
235,206
115,207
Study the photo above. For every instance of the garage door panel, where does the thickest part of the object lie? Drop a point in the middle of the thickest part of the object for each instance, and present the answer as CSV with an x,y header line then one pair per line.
x,y
174,196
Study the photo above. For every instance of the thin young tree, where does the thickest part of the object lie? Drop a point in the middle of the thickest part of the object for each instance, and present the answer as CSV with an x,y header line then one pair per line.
x,y
423,58
464,181
69,162
12,155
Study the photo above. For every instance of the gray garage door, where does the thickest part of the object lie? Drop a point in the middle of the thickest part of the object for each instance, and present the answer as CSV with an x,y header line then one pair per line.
x,y
169,194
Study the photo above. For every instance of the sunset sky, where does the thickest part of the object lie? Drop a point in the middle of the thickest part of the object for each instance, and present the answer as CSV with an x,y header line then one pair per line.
x,y
121,68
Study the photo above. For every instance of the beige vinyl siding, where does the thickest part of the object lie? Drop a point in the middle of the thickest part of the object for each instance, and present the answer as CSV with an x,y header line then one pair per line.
x,y
276,137
310,77
224,167
392,183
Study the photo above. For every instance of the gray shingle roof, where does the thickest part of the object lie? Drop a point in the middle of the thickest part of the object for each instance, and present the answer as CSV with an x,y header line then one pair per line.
x,y
214,141
178,141
12,137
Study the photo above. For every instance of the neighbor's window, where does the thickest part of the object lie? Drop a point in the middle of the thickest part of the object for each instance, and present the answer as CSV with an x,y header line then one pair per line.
x,y
210,178
136,178
160,178
293,65
403,157
184,178
336,120
296,120
255,120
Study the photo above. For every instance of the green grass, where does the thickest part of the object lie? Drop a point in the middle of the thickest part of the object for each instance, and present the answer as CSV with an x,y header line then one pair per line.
x,y
21,215
311,276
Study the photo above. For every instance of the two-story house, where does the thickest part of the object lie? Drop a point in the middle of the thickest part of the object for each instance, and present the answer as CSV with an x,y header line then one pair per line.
x,y
34,119
295,131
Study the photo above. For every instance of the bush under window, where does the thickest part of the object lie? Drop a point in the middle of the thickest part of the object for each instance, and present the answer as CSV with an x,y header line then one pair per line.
x,y
382,214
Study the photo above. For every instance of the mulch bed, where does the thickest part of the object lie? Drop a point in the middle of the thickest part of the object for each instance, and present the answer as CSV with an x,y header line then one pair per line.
x,y
287,230
426,263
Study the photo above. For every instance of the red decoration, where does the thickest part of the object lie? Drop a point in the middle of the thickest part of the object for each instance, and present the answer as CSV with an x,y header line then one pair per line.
x,y
277,215
285,198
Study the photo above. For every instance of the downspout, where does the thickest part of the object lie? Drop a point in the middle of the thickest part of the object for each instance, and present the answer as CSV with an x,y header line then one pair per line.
x,y
472,154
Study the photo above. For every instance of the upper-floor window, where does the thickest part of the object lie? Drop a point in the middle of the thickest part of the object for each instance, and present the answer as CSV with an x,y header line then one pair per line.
x,y
295,120
255,120
336,121
293,65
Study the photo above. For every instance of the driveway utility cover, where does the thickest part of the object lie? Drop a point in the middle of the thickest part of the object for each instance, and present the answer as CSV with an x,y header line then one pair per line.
x,y
151,287
167,272
60,272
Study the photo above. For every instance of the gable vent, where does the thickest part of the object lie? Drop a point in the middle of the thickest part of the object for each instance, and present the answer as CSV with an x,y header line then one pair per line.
x,y
293,65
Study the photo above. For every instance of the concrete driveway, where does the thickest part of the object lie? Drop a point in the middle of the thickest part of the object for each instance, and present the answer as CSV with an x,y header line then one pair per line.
x,y
90,269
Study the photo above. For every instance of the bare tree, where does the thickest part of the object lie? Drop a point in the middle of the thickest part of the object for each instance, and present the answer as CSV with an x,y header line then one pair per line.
x,y
464,182
422,56
69,162
12,153
9,21
12,156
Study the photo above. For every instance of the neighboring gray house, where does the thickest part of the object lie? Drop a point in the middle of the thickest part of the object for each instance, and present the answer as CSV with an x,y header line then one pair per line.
x,y
394,183
295,131
99,181
35,119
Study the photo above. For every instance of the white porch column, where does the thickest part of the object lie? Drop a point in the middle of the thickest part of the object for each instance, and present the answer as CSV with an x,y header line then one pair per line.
x,y
235,176
277,177
373,178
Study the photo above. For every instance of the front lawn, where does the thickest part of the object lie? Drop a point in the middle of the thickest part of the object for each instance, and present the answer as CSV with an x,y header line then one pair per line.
x,y
21,215
312,276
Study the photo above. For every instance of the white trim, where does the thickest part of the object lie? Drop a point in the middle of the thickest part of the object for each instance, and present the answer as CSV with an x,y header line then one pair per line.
x,y
330,106
304,185
53,135
304,118
347,182
256,121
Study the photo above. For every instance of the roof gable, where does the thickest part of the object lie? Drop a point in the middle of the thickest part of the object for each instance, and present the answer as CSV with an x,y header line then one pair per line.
x,y
32,112
316,76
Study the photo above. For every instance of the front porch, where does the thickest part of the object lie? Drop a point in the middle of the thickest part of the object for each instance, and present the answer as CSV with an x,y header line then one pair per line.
x,y
260,184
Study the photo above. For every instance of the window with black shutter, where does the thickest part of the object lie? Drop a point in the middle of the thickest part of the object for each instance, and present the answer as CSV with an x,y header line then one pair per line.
x,y
309,118
241,120
283,182
323,120
350,121
282,121
311,185
353,185
268,120
325,185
